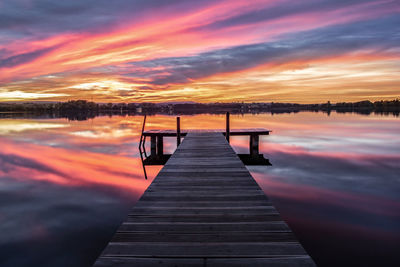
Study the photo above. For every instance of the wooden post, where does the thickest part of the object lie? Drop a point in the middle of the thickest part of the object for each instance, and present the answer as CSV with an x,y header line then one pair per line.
x,y
144,123
153,145
141,142
254,140
160,145
227,133
178,131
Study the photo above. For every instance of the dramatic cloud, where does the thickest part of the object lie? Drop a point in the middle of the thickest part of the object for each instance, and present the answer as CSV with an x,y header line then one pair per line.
x,y
23,58
175,50
329,41
281,9
45,17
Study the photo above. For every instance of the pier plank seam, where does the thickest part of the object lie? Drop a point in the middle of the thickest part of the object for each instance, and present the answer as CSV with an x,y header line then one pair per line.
x,y
204,209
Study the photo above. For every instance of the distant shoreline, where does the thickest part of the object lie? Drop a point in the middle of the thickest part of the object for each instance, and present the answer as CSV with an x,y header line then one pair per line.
x,y
83,106
85,115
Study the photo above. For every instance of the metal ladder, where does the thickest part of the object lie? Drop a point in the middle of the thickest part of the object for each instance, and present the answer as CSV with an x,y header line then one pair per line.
x,y
142,147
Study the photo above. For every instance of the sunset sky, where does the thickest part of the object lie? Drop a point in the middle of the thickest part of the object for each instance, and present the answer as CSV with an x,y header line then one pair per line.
x,y
206,51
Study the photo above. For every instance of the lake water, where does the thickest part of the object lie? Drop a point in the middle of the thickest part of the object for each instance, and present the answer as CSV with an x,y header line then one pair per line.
x,y
65,186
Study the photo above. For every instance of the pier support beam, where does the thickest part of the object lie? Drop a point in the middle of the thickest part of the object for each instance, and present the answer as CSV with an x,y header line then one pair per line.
x,y
227,133
254,141
160,145
178,131
153,146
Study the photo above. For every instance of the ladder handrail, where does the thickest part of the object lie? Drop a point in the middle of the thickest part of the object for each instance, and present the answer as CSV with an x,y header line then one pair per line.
x,y
142,148
141,135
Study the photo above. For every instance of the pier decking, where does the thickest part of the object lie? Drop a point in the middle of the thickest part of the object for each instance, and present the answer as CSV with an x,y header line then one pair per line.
x,y
158,157
204,209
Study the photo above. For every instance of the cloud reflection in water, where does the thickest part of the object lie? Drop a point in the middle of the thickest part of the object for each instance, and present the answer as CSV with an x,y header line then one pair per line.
x,y
65,186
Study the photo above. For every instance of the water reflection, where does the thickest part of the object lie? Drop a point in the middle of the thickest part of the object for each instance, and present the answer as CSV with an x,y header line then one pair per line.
x,y
65,186
63,194
336,182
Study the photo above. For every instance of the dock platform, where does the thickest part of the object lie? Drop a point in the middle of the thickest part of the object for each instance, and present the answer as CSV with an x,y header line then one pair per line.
x,y
158,157
204,209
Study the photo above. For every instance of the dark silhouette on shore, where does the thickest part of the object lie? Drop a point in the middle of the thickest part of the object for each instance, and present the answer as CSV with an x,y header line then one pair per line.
x,y
83,110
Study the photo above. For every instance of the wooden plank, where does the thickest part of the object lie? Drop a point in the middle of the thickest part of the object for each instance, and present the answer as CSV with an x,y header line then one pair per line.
x,y
122,236
204,209
203,198
297,261
204,249
206,165
198,182
203,189
222,171
205,227
203,194
207,218
248,131
214,174
149,262
196,204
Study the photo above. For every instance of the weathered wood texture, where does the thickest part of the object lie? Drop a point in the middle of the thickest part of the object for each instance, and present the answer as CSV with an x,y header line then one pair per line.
x,y
204,209
235,132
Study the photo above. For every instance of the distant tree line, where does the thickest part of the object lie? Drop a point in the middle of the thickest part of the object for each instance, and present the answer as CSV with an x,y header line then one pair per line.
x,y
76,109
380,106
82,109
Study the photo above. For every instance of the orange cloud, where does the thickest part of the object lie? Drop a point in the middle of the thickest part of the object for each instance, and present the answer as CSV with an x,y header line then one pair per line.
x,y
107,64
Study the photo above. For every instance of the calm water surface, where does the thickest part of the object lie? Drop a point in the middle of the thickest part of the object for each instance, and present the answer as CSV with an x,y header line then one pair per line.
x,y
65,186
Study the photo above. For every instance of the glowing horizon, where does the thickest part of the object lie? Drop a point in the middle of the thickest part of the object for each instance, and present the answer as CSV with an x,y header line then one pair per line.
x,y
202,51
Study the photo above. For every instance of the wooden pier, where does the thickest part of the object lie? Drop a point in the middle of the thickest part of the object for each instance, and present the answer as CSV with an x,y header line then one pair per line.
x,y
158,157
204,209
